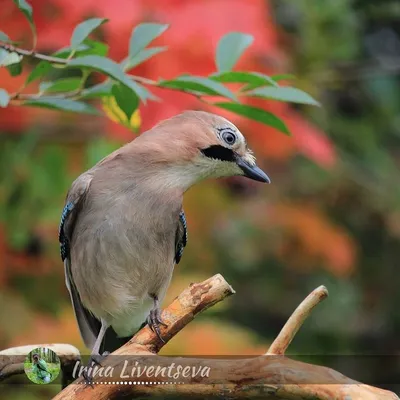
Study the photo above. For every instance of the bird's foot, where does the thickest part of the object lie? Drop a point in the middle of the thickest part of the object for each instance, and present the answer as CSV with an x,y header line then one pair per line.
x,y
94,360
154,319
98,358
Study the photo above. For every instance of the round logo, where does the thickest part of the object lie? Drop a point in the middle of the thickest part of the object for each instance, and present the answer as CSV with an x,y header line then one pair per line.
x,y
42,365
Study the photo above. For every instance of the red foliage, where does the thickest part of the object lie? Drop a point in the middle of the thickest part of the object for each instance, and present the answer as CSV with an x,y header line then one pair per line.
x,y
310,140
310,235
195,28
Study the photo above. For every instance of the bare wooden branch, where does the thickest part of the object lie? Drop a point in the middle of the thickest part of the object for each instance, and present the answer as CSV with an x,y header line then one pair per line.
x,y
296,320
275,377
268,376
192,301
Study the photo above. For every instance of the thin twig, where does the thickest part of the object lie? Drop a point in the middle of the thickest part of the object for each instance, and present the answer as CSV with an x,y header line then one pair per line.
x,y
296,320
33,54
147,81
143,80
29,96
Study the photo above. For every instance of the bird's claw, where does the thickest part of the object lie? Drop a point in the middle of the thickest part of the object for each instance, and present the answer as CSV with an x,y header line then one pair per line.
x,y
154,321
95,359
88,378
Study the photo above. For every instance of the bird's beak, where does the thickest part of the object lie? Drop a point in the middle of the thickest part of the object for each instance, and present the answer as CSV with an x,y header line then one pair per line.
x,y
252,171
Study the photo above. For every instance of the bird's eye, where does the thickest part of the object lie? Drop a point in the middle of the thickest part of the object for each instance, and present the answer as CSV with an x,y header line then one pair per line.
x,y
229,138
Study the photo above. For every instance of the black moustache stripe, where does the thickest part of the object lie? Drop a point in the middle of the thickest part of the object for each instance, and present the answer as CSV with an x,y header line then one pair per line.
x,y
218,152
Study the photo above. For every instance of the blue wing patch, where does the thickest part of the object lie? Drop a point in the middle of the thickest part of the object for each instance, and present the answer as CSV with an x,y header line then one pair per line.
x,y
62,238
182,218
183,240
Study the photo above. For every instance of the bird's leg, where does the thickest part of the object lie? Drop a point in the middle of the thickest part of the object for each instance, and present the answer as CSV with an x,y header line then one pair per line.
x,y
154,319
95,356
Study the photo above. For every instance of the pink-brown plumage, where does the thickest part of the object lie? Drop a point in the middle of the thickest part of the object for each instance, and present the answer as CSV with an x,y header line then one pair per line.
x,y
125,225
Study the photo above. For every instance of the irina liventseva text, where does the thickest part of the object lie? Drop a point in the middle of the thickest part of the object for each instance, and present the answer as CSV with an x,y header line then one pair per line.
x,y
173,371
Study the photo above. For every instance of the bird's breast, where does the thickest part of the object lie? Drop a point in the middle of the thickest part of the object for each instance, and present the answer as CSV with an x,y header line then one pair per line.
x,y
123,249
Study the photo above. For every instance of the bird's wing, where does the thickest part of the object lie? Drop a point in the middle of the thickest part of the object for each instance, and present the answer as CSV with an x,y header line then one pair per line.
x,y
181,237
89,326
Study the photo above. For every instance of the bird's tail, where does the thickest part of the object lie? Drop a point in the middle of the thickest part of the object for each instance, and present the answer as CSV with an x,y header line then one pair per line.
x,y
112,341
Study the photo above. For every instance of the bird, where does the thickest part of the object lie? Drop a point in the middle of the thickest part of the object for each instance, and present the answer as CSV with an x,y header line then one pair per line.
x,y
123,228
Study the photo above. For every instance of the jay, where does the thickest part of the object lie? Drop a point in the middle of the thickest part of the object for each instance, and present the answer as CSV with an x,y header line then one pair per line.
x,y
123,228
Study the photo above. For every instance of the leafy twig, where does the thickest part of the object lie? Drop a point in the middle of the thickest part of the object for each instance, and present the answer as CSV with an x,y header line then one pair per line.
x,y
17,97
33,54
145,81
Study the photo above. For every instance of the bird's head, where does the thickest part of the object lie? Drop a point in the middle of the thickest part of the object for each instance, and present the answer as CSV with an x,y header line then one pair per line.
x,y
195,145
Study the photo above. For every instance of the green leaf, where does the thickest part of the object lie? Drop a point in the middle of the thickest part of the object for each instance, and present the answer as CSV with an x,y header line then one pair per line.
x,y
62,105
257,114
284,93
15,69
26,9
84,29
39,71
61,85
7,58
255,79
88,47
274,78
3,55
230,48
113,70
140,57
96,91
283,77
4,98
95,48
4,37
143,35
66,51
127,101
198,85
44,85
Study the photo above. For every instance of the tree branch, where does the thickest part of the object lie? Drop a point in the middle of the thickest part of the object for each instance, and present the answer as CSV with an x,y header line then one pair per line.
x,y
272,376
18,98
296,320
268,376
33,54
193,300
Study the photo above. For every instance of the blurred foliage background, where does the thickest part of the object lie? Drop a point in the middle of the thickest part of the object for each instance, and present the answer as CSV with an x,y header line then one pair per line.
x,y
331,215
